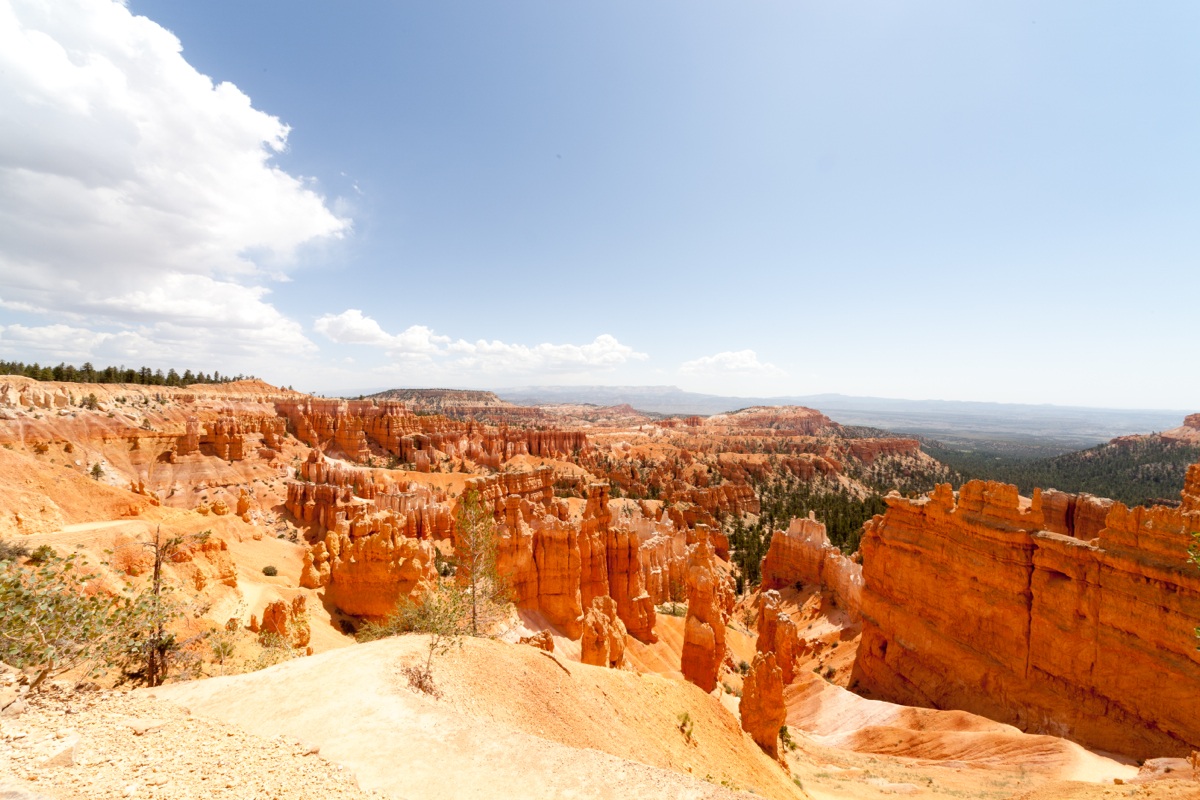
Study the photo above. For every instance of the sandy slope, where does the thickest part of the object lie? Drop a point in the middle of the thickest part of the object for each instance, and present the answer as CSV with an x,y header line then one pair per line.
x,y
513,721
839,718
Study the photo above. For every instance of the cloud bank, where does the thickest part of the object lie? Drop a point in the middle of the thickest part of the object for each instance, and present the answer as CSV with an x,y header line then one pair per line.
x,y
138,199
419,344
743,362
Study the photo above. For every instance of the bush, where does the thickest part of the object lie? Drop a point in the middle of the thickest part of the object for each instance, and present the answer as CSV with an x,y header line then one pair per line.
x,y
443,614
270,571
42,554
52,623
785,737
11,551
673,609
686,726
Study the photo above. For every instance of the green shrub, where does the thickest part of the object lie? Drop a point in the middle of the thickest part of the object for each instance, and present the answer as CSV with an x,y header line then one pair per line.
x,y
52,623
270,571
42,554
11,551
686,725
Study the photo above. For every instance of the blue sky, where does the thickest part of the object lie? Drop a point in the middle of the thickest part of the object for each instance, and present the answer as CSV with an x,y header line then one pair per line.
x,y
924,200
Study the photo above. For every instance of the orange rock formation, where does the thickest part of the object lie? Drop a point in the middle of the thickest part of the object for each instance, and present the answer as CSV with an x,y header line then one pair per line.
x,y
288,620
778,634
559,566
370,553
762,709
710,601
971,603
803,554
603,640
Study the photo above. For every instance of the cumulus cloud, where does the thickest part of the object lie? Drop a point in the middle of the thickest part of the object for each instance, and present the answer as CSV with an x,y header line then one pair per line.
x,y
135,194
604,352
743,362
353,327
481,356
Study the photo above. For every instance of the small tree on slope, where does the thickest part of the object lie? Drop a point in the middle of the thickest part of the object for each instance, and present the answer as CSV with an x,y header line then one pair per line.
x,y
475,554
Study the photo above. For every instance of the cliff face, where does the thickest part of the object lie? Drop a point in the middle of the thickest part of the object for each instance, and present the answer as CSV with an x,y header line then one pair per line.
x,y
359,428
1081,516
559,566
373,548
803,554
1190,499
969,602
603,641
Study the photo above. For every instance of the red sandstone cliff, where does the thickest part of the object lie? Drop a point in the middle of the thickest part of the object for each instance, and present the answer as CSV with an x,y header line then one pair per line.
x,y
372,549
803,554
558,566
970,603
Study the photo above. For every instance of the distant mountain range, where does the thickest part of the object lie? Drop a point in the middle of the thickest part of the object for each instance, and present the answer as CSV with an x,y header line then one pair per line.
x,y
948,420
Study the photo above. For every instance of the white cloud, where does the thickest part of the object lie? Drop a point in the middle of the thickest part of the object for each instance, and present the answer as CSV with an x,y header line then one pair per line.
x,y
605,352
353,327
490,357
137,195
743,362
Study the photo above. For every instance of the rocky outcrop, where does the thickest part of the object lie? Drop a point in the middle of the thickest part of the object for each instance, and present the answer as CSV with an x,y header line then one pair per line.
x,y
802,554
717,501
762,710
542,640
1190,499
229,437
626,583
970,603
358,428
370,552
664,556
287,620
710,601
603,640
558,566
777,634
785,420
205,560
867,450
1080,516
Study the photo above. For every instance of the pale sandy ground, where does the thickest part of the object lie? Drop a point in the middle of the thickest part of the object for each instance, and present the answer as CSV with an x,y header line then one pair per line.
x,y
102,745
513,722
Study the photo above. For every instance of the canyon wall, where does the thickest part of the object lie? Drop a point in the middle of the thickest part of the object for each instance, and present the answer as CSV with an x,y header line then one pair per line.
x,y
374,544
803,554
559,566
371,548
359,429
978,601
